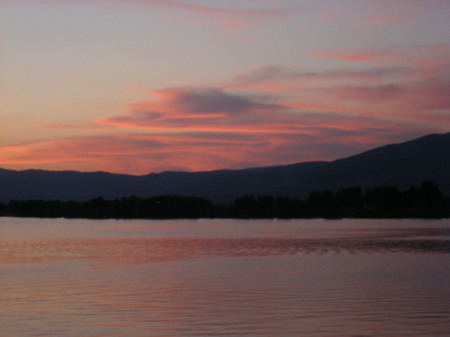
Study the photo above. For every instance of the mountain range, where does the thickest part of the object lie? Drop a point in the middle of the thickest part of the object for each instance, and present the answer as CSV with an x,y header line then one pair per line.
x,y
399,165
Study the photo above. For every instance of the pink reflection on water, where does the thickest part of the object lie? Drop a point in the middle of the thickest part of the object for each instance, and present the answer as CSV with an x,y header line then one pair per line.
x,y
107,281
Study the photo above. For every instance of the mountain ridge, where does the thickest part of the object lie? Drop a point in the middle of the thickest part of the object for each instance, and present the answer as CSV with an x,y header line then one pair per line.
x,y
400,165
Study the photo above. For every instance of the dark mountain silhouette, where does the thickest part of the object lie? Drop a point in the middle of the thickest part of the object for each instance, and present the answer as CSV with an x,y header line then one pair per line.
x,y
399,165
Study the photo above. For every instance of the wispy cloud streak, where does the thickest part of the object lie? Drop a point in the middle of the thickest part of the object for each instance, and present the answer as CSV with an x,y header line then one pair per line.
x,y
192,13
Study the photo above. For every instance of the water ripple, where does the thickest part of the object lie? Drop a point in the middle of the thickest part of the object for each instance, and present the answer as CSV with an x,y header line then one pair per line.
x,y
158,250
359,282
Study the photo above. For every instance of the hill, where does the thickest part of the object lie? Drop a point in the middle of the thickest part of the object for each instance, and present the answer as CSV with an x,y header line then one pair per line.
x,y
399,165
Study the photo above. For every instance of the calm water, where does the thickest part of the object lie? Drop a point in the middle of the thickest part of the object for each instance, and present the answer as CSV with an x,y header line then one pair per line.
x,y
224,278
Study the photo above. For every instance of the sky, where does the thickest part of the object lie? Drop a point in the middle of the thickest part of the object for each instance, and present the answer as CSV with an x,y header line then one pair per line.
x,y
144,86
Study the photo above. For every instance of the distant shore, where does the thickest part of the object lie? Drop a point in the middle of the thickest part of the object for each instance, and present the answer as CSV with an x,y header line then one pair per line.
x,y
424,201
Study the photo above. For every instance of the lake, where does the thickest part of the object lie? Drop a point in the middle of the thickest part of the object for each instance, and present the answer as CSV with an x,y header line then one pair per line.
x,y
224,278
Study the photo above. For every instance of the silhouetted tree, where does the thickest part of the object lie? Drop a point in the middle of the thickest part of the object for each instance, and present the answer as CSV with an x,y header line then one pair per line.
x,y
385,201
285,207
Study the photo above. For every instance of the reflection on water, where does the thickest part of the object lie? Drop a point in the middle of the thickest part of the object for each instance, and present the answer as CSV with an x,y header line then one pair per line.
x,y
158,250
263,278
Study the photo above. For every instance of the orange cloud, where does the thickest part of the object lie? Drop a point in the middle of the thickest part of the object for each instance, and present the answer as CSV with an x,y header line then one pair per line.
x,y
307,136
207,109
252,120
203,121
184,110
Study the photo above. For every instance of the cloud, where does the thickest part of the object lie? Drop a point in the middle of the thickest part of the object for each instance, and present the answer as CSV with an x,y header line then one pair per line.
x,y
428,60
252,120
177,109
208,128
355,56
273,74
142,153
373,94
420,98
198,129
190,7
434,94
382,13
268,115
210,100
388,13
421,94
192,13
222,17
81,126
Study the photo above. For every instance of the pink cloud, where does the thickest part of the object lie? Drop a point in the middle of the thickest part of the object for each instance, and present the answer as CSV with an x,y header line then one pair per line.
x,y
269,115
429,60
215,111
179,5
425,95
222,17
195,108
382,13
388,13
421,101
370,94
282,77
192,151
422,94
357,56
389,19
208,128
228,18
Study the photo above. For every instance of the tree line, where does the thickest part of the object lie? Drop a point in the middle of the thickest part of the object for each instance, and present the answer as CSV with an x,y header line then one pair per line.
x,y
424,201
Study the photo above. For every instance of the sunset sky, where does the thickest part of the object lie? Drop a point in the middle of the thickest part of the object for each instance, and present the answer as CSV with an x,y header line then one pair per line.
x,y
141,86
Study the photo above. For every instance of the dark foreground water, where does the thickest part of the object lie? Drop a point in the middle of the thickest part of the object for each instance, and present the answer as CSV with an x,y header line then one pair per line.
x,y
224,278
